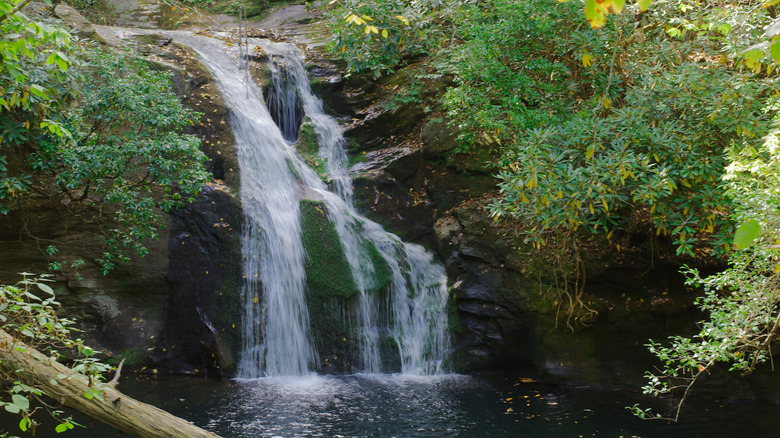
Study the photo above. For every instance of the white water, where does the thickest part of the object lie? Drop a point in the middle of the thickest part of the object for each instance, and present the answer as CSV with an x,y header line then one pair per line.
x,y
276,333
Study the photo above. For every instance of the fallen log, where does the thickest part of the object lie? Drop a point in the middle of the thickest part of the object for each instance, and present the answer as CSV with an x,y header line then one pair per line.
x,y
112,407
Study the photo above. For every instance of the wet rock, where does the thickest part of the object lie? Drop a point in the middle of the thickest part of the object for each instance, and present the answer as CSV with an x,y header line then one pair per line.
x,y
204,285
476,291
78,22
487,310
437,138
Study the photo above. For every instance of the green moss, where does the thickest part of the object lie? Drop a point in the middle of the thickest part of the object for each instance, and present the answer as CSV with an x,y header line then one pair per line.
x,y
453,321
133,357
357,158
308,146
456,363
328,274
331,290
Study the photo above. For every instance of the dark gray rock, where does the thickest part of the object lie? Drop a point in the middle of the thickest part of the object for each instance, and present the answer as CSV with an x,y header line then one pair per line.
x,y
204,285
437,138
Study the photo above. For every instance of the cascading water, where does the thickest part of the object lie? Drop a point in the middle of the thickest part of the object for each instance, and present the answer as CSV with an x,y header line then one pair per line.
x,y
274,178
418,291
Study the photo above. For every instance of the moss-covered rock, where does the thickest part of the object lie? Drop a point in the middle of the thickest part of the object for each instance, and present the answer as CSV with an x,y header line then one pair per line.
x,y
330,289
328,274
308,146
332,295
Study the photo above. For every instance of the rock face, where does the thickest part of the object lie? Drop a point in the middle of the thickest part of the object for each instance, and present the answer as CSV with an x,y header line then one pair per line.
x,y
204,284
176,309
81,26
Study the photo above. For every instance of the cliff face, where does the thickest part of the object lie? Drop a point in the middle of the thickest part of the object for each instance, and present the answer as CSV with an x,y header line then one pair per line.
x,y
175,308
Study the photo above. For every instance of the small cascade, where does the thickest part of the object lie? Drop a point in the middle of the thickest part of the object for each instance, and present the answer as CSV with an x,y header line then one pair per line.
x,y
284,104
418,296
277,338
275,322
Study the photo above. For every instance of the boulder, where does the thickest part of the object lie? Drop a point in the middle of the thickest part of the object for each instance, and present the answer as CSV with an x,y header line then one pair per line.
x,y
82,27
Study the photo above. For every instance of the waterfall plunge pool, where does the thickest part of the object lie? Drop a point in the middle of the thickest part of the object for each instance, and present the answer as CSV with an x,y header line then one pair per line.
x,y
431,406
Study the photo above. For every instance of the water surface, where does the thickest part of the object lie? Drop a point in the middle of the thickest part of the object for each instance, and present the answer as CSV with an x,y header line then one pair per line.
x,y
431,406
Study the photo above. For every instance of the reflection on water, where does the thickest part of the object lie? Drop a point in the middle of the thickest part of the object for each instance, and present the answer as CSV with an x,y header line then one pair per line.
x,y
436,406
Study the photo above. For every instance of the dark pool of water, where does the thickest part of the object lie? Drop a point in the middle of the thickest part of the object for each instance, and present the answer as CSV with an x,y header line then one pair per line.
x,y
445,406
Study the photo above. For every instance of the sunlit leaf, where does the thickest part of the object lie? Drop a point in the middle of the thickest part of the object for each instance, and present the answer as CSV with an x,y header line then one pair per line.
x,y
746,233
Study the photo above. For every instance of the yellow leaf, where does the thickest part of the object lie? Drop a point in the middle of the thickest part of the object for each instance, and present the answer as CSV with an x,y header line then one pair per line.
x,y
607,102
592,210
560,194
589,153
384,33
587,59
402,19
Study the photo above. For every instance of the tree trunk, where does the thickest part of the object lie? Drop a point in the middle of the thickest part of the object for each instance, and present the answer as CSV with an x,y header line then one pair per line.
x,y
113,408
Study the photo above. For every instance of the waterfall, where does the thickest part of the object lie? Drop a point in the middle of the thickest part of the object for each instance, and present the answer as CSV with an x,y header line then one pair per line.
x,y
274,178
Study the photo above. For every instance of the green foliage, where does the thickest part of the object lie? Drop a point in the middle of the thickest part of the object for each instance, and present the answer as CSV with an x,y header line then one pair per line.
x,y
35,78
503,67
125,151
627,119
741,303
630,125
378,35
124,159
28,312
95,133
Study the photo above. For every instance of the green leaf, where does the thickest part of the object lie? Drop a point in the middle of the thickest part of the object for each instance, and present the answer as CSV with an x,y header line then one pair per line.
x,y
62,427
38,91
746,233
753,57
643,4
595,13
774,50
45,288
25,424
21,401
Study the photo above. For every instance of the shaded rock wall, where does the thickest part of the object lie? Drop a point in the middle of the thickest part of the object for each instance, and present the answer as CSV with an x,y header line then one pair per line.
x,y
176,309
